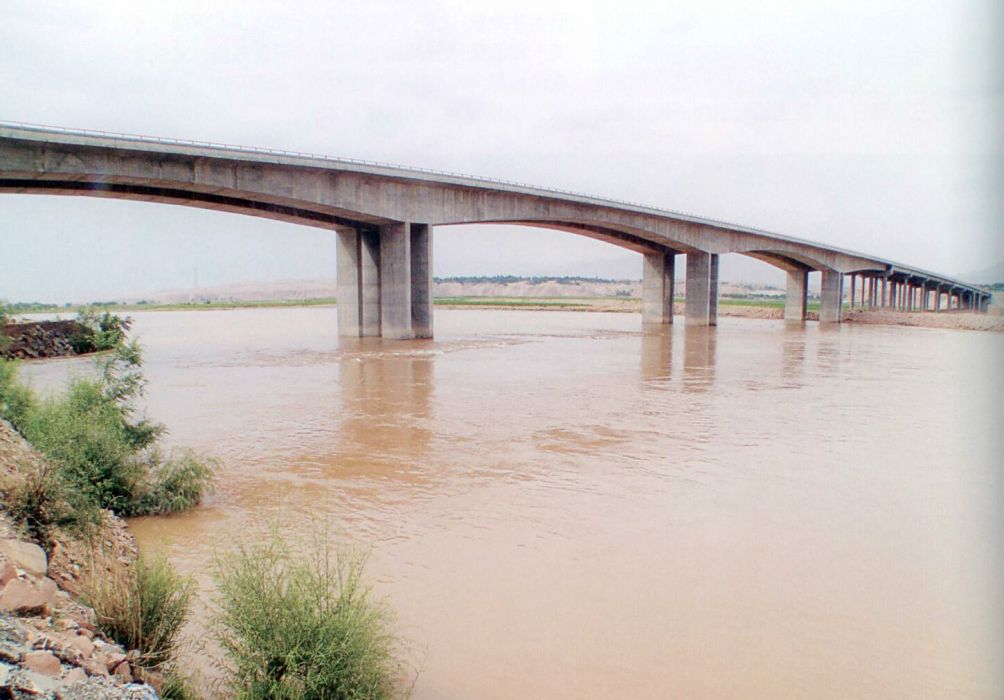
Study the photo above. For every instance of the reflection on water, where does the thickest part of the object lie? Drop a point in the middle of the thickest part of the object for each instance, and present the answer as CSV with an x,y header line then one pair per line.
x,y
563,505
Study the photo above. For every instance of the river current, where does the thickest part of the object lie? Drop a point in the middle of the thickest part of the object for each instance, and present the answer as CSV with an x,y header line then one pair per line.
x,y
564,505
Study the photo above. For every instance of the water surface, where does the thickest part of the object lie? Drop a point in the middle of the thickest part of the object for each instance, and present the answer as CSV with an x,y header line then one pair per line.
x,y
560,505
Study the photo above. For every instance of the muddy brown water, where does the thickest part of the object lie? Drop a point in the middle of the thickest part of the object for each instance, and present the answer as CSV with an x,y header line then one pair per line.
x,y
560,505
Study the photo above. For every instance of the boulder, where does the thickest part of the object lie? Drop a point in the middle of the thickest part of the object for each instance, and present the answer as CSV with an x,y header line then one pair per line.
x,y
24,596
43,662
25,555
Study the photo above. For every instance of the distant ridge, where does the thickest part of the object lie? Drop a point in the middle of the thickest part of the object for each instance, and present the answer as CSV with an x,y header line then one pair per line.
x,y
988,275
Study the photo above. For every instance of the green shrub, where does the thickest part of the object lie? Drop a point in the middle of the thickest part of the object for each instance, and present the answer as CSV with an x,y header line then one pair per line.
x,y
16,400
174,485
96,332
99,446
302,628
41,501
143,606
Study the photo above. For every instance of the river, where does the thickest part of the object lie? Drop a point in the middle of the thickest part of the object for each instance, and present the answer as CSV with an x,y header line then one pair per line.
x,y
560,505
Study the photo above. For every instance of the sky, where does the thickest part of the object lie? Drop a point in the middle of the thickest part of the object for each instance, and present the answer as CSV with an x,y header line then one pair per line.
x,y
873,126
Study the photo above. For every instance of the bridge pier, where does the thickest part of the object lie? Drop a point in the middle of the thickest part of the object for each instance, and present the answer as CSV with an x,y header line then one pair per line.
x,y
658,281
831,297
701,303
385,281
796,296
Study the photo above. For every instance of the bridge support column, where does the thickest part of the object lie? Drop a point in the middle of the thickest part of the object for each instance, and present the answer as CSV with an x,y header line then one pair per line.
x,y
700,288
421,280
658,281
796,296
358,283
385,282
831,297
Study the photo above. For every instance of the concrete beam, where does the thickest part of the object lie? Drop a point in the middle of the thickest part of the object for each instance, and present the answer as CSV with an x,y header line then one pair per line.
x,y
421,280
831,297
697,309
796,296
658,281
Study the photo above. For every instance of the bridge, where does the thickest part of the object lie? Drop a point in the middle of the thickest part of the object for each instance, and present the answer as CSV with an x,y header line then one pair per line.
x,y
384,217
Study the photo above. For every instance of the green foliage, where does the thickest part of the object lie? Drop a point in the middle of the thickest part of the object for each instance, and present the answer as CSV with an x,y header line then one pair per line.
x,y
97,332
100,448
143,606
42,501
16,400
302,628
177,687
173,485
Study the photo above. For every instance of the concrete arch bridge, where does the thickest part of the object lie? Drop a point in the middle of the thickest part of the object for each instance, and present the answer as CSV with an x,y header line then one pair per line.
x,y
384,217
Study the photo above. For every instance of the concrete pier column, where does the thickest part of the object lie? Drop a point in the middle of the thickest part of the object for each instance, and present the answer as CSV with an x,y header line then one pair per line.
x,y
358,283
713,291
698,307
853,285
937,299
395,281
831,297
658,280
421,280
796,296
883,300
892,294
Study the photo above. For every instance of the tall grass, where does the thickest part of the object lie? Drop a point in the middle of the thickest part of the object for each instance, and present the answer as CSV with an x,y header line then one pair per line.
x,y
302,628
142,607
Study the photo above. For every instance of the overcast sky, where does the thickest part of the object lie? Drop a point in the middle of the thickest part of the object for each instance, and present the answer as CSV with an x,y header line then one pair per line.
x,y
874,126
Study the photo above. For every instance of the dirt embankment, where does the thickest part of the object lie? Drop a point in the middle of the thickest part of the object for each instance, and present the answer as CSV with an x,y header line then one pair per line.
x,y
50,646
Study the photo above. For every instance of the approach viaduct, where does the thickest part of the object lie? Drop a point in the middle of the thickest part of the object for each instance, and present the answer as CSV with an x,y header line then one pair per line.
x,y
384,217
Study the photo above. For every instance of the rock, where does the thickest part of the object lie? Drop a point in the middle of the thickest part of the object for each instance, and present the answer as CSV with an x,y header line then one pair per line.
x,y
75,675
113,660
7,571
82,644
123,672
5,671
44,662
26,683
10,652
25,555
25,596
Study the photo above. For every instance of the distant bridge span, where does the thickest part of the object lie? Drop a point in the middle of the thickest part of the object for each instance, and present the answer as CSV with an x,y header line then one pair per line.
x,y
384,216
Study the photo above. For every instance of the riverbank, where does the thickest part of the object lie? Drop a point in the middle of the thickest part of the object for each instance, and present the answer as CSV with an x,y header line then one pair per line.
x,y
50,645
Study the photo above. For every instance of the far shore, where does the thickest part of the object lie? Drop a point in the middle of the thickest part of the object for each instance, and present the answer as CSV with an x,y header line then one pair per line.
x,y
727,306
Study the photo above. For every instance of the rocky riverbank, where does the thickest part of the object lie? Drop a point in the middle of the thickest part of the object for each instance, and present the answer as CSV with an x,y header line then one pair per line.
x,y
36,339
50,646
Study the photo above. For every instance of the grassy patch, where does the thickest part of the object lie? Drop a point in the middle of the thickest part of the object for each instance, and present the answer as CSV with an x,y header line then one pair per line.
x,y
302,627
143,606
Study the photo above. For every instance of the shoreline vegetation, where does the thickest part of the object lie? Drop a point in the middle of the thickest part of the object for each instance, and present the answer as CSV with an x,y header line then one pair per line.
x,y
83,613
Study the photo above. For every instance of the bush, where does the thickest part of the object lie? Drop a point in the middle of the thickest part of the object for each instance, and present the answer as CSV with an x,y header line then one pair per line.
x,y
42,502
173,485
100,448
141,607
16,400
96,332
302,628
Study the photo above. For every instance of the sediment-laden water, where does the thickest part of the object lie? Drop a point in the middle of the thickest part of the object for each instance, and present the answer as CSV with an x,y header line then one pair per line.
x,y
560,505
